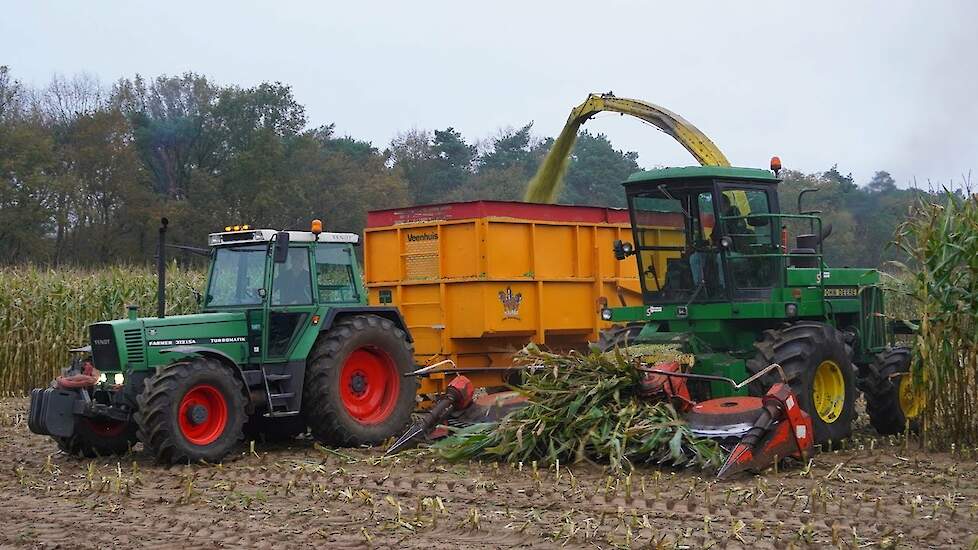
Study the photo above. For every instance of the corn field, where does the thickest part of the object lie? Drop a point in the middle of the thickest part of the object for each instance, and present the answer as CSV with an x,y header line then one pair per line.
x,y
941,238
45,312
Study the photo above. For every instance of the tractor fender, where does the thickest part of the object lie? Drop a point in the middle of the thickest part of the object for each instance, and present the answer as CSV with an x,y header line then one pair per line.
x,y
387,312
211,353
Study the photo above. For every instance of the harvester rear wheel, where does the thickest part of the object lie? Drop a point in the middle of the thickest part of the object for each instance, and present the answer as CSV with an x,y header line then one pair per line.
x,y
356,391
191,411
890,399
97,437
816,362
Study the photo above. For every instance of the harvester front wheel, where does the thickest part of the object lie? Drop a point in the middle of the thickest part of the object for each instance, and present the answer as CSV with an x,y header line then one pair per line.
x,y
98,437
816,362
891,401
617,336
356,390
191,411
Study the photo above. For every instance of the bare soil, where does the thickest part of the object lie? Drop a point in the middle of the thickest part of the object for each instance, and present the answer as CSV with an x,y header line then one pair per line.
x,y
875,494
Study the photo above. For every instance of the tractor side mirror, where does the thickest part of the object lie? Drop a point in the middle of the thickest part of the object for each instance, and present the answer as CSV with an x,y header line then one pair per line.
x,y
281,247
623,249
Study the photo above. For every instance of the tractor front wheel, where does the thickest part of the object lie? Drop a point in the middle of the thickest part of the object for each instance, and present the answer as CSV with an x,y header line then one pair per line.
x,y
95,437
191,411
356,390
891,402
816,362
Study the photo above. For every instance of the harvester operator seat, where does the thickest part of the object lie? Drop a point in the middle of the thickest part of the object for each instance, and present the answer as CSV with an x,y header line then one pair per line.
x,y
807,245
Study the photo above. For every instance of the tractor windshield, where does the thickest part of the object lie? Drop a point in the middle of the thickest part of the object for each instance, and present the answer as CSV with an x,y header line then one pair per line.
x,y
237,276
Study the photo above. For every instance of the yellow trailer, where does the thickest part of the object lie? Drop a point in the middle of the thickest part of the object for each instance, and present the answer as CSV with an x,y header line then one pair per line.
x,y
477,281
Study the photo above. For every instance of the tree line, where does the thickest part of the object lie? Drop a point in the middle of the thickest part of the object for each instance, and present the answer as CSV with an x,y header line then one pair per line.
x,y
87,170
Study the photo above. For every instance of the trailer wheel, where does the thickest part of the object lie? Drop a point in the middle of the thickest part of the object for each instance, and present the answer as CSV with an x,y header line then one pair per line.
x,y
191,411
356,391
890,400
816,362
94,437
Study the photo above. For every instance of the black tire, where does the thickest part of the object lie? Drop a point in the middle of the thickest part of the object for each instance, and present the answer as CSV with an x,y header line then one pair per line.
x,y
617,336
800,348
274,430
95,437
882,391
161,429
331,418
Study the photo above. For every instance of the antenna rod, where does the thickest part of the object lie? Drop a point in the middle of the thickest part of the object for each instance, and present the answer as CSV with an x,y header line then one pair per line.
x,y
161,271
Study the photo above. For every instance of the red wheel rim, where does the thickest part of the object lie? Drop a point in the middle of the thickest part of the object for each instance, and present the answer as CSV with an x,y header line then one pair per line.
x,y
105,428
369,384
203,414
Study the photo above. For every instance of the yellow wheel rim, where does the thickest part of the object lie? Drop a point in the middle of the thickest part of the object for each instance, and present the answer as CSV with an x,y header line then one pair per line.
x,y
829,391
910,400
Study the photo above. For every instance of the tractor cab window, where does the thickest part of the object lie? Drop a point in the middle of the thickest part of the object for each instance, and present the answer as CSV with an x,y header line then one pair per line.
x,y
743,215
291,280
334,274
237,276
678,257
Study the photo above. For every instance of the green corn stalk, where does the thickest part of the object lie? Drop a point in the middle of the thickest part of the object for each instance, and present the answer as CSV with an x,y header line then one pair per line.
x,y
941,238
45,312
584,408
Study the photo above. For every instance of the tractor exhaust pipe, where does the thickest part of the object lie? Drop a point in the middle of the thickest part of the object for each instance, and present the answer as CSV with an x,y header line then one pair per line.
x,y
161,270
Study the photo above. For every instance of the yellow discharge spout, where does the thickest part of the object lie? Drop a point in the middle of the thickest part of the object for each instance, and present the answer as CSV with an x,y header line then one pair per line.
x,y
545,185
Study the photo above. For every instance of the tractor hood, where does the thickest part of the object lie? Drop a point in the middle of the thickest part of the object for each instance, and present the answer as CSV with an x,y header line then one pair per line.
x,y
144,343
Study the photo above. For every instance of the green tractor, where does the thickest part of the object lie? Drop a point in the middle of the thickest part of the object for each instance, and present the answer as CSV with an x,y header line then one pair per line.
x,y
285,340
719,279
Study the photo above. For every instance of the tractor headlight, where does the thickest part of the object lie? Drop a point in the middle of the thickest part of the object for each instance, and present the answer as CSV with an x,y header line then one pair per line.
x,y
119,379
606,314
102,378
791,310
214,240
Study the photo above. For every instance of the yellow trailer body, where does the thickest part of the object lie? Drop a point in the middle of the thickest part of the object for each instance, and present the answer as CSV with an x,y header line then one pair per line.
x,y
477,281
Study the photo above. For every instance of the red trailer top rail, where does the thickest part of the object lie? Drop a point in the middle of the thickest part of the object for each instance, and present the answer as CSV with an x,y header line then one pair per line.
x,y
496,209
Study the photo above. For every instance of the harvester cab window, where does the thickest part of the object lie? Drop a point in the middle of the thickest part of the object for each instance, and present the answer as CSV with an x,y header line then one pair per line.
x,y
237,276
673,229
291,280
334,274
744,218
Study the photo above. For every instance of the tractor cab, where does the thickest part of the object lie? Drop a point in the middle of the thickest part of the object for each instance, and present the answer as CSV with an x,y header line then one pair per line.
x,y
281,280
704,234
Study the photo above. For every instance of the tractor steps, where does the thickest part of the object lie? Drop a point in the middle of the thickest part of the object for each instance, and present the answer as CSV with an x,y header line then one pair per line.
x,y
283,389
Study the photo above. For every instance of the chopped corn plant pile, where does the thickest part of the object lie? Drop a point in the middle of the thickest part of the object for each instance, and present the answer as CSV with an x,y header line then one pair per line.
x,y
584,408
45,312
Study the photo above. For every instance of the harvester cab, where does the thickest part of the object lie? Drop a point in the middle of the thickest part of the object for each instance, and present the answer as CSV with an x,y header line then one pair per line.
x,y
719,279
285,340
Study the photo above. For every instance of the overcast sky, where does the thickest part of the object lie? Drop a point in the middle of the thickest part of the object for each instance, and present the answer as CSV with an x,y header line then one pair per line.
x,y
885,85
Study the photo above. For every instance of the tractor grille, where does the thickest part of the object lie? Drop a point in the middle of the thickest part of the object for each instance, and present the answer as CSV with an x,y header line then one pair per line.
x,y
104,352
134,345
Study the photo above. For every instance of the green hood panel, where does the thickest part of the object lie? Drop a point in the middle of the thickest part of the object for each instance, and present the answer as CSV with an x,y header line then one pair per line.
x,y
142,343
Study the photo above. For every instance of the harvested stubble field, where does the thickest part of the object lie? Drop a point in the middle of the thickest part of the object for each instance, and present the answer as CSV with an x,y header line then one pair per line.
x,y
879,495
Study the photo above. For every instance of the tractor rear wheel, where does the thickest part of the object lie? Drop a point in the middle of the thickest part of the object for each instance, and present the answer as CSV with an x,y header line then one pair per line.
x,y
356,391
816,362
98,437
191,411
890,399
